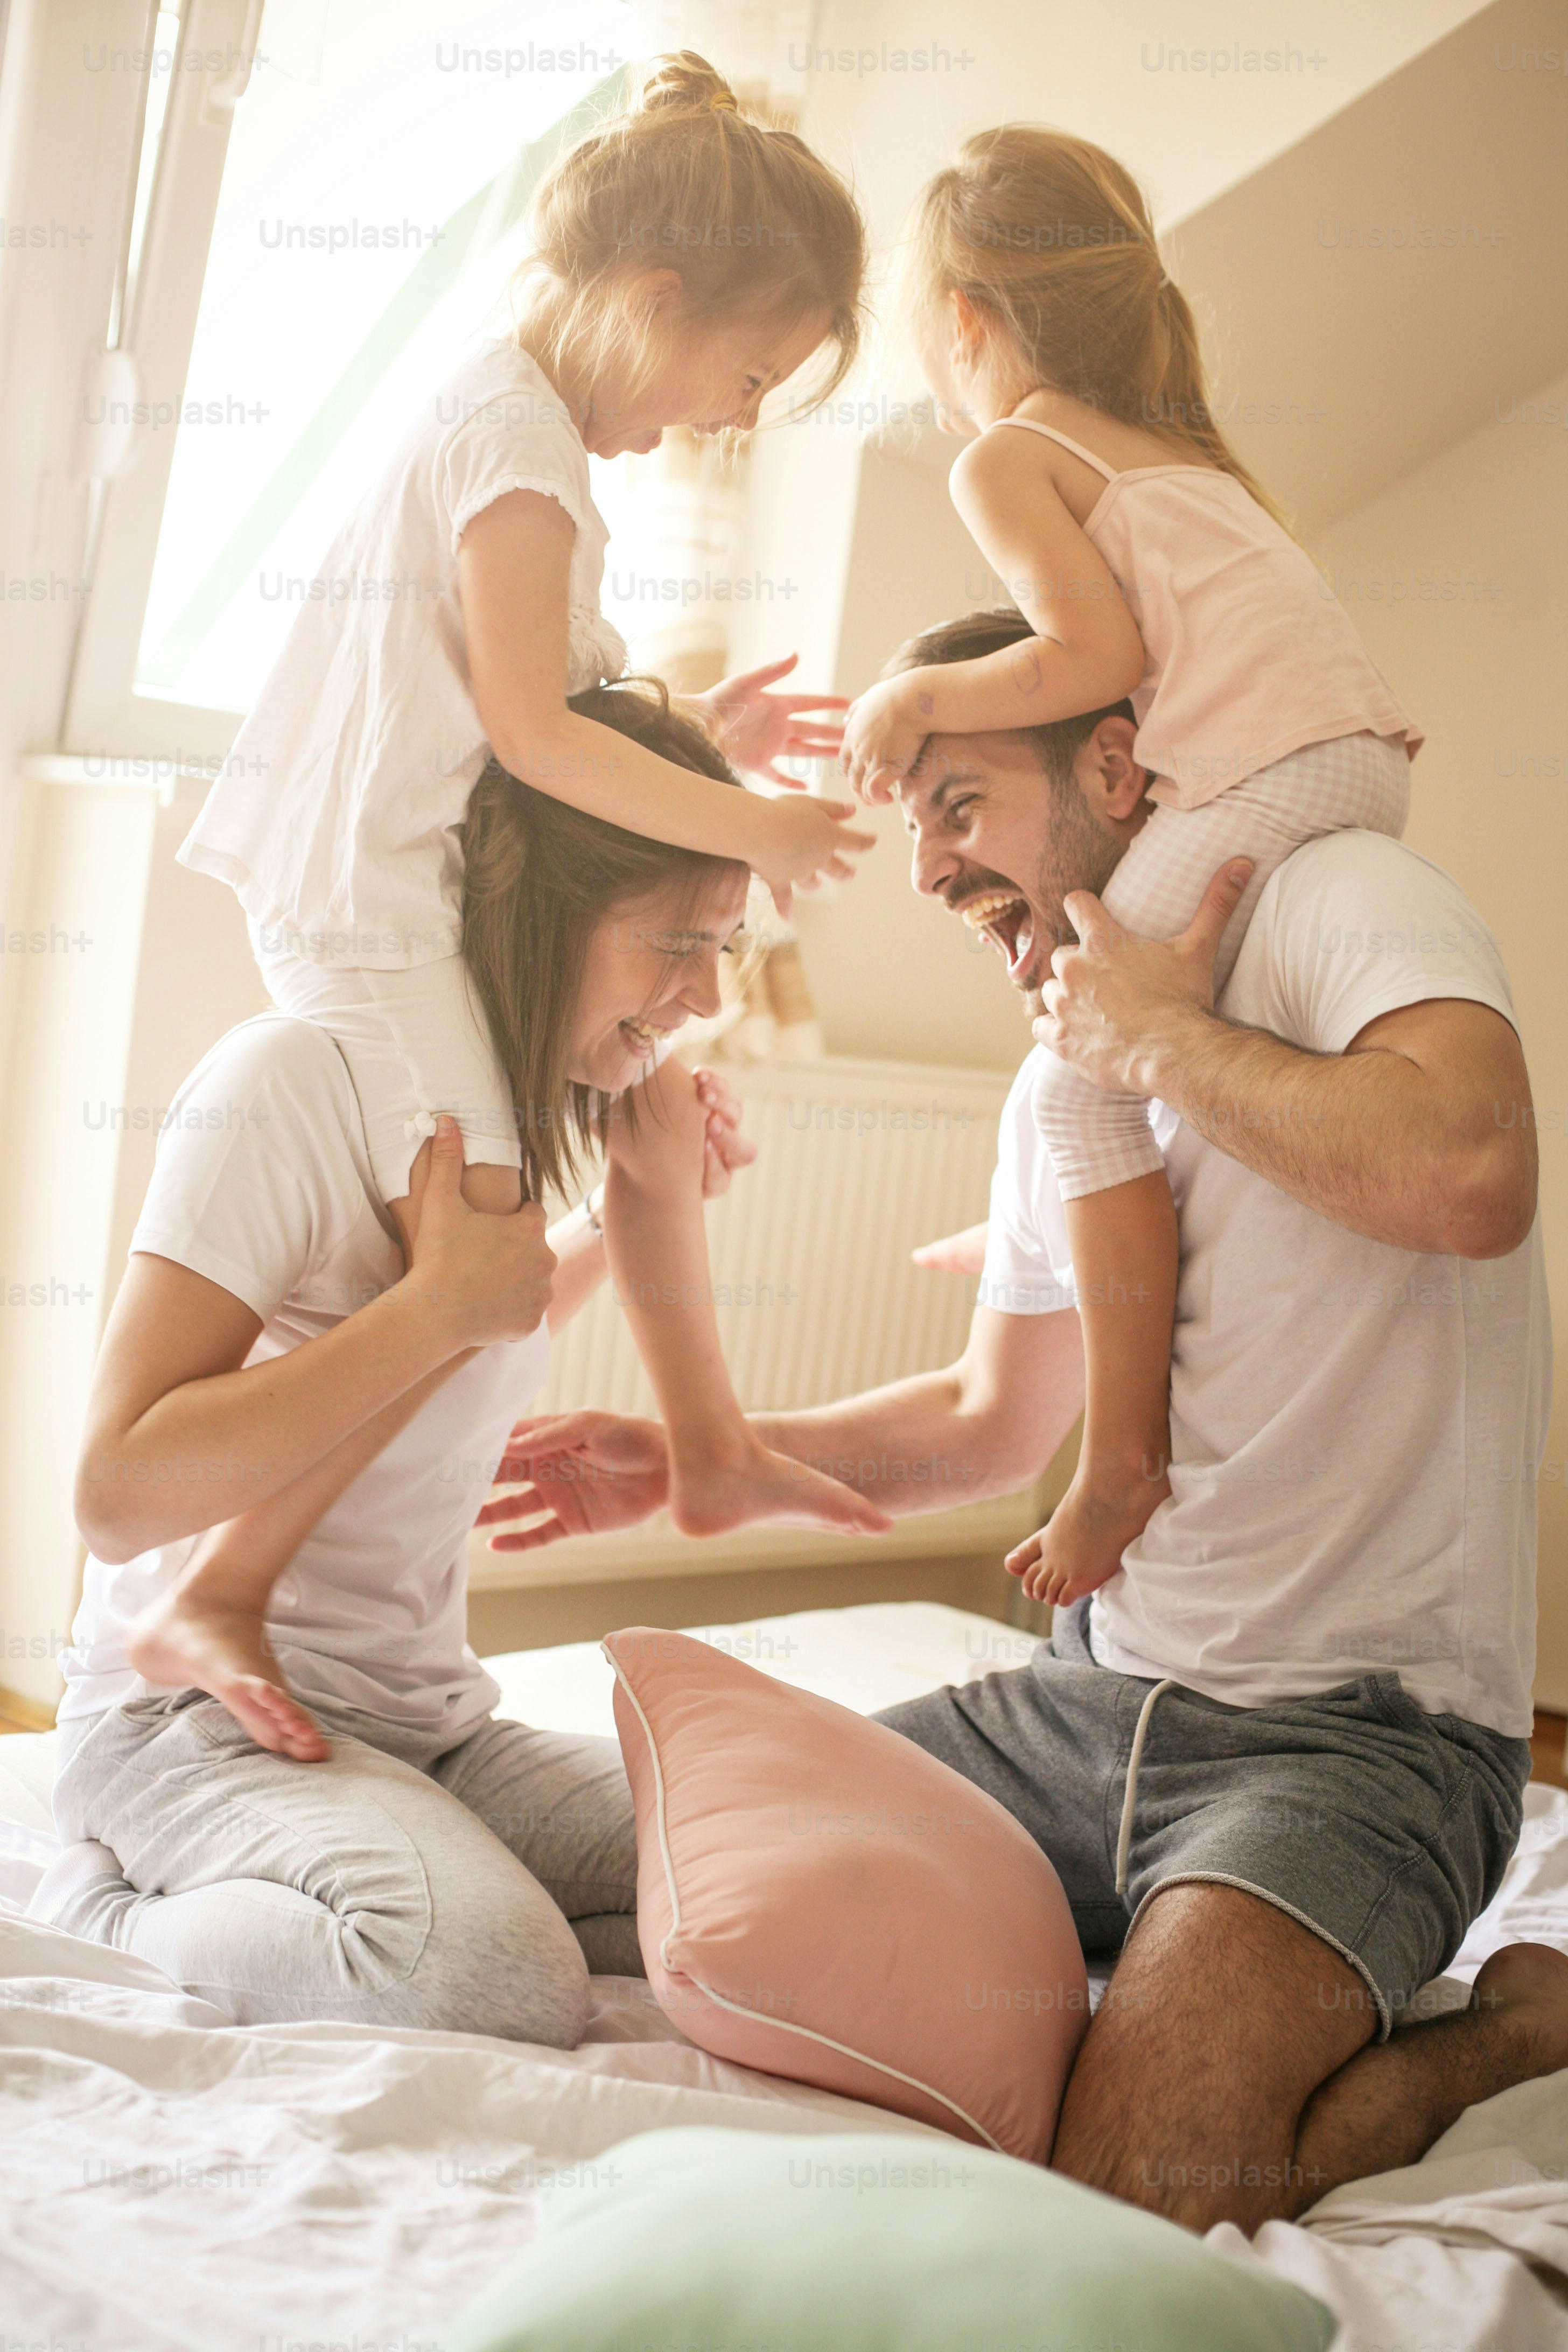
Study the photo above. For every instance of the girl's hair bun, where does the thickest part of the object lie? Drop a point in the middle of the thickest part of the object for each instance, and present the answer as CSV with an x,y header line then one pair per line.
x,y
685,82
753,224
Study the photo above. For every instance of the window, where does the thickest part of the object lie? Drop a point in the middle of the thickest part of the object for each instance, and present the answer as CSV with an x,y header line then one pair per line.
x,y
312,255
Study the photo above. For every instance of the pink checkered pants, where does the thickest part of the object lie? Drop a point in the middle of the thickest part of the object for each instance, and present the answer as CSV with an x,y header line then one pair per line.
x,y
1355,782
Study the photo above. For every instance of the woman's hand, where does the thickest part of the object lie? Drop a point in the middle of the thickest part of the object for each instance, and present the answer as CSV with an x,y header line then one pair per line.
x,y
754,730
724,1149
882,736
488,1277
577,1474
683,1119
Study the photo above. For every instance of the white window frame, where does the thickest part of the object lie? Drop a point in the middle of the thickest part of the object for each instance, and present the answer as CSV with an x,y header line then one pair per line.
x,y
105,720
109,729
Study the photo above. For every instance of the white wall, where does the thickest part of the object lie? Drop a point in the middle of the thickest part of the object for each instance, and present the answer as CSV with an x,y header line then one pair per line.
x,y
896,977
195,979
1122,75
73,861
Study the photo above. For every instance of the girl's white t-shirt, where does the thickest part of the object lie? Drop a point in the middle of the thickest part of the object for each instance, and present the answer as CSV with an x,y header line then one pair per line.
x,y
262,1183
334,816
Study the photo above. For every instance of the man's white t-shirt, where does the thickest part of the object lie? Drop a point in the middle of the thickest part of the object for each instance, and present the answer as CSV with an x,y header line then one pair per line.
x,y
263,1185
1356,1429
335,814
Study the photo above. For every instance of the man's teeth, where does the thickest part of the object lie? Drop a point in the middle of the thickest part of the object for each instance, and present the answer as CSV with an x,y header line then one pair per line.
x,y
978,912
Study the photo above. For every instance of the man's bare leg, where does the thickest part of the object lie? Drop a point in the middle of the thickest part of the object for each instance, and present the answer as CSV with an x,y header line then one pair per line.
x,y
1227,2077
1387,2106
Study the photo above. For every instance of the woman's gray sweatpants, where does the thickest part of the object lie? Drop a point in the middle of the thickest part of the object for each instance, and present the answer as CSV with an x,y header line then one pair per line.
x,y
469,1889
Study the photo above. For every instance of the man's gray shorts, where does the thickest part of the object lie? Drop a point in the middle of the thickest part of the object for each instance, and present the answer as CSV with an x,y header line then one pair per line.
x,y
1382,1829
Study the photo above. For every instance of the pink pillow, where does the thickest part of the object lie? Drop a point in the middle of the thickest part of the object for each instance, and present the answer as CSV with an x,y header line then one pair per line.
x,y
818,1897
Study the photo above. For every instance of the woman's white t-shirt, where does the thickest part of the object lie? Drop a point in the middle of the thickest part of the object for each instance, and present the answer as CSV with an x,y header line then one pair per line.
x,y
333,818
1356,1429
262,1184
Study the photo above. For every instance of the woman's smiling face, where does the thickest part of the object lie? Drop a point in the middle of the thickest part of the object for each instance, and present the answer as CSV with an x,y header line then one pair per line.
x,y
652,965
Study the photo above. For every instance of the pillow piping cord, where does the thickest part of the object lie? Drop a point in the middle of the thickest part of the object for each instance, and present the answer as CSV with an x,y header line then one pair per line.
x,y
735,2008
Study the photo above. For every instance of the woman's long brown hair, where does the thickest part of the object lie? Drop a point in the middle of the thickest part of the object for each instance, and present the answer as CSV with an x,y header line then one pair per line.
x,y
540,879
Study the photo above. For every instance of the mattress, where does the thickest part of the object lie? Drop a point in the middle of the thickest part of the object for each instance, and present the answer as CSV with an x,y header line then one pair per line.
x,y
168,2183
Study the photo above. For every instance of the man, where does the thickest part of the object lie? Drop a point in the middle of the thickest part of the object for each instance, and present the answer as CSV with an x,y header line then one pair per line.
x,y
1278,1761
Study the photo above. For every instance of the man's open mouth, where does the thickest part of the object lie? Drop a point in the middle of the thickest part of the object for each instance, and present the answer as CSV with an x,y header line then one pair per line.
x,y
1004,916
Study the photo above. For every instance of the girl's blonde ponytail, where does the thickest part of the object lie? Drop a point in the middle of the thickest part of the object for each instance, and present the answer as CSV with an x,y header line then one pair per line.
x,y
1052,237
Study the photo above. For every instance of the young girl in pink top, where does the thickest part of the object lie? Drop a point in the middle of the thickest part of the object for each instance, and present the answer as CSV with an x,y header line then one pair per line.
x,y
1150,567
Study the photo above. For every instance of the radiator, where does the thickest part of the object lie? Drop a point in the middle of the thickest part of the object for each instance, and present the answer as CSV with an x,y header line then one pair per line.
x,y
815,1298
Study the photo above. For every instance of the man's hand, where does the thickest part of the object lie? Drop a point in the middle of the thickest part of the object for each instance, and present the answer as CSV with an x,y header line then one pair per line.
x,y
590,1472
487,1276
1108,1004
961,1253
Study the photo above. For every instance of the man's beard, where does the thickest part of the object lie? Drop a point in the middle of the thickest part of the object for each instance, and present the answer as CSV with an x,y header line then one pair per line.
x,y
1080,854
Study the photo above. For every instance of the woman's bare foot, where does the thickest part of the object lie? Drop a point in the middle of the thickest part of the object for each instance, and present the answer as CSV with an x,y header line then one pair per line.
x,y
186,1641
712,1496
961,1253
1526,1986
1080,1546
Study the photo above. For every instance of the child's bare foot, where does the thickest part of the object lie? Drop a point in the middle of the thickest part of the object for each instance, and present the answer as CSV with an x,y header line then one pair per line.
x,y
961,1253
752,1483
1080,1546
185,1640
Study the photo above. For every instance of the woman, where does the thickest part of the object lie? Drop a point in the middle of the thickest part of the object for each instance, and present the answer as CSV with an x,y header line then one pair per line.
x,y
273,1370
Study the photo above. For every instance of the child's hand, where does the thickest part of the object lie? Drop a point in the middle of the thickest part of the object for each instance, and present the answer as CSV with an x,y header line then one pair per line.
x,y
754,730
806,841
883,739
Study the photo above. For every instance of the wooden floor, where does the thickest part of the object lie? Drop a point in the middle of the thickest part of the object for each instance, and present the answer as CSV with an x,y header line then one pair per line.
x,y
1547,1747
17,1715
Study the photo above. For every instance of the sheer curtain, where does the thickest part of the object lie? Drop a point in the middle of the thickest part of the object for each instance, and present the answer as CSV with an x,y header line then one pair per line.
x,y
371,211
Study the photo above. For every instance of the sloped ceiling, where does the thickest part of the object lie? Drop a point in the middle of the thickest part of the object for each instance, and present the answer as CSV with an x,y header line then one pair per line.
x,y
1398,275
1393,277
1192,97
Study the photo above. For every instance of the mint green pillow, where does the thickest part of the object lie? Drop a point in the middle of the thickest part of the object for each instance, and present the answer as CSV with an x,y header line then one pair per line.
x,y
699,2241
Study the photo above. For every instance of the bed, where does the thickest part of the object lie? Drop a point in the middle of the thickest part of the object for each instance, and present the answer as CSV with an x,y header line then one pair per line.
x,y
172,2184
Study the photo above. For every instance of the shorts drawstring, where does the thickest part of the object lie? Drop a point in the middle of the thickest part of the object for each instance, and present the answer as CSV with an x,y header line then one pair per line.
x,y
1124,1834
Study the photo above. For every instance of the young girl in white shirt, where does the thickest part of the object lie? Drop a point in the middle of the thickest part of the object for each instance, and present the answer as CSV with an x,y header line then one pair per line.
x,y
685,261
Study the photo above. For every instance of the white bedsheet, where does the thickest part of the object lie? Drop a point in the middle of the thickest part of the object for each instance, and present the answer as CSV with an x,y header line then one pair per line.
x,y
172,2184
